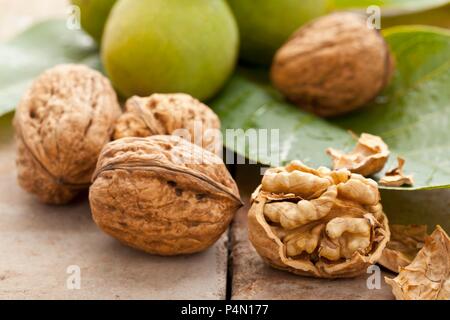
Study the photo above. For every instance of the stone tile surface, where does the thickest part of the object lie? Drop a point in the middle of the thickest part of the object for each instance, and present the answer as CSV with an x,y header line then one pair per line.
x,y
38,244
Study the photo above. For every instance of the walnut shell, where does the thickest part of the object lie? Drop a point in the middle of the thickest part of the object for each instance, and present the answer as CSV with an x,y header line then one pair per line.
x,y
166,114
428,275
406,241
367,158
395,177
319,223
162,194
61,124
333,65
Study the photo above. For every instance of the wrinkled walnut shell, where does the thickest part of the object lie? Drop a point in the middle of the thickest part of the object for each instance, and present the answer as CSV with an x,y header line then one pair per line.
x,y
61,124
166,114
319,223
333,65
162,194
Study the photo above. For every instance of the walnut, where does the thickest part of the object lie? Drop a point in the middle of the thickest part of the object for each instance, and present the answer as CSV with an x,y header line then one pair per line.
x,y
162,194
165,114
333,65
405,243
320,223
62,123
367,158
396,177
428,276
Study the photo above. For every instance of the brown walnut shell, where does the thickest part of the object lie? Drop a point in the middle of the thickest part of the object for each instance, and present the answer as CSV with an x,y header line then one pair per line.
x,y
367,158
428,275
319,223
61,124
162,194
166,114
406,241
395,177
333,65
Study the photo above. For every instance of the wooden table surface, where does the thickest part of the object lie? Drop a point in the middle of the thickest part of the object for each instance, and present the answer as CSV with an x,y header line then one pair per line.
x,y
39,243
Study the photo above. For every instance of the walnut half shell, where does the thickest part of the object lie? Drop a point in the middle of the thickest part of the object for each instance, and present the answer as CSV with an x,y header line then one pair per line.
x,y
396,177
162,194
367,158
428,276
320,223
406,241
61,124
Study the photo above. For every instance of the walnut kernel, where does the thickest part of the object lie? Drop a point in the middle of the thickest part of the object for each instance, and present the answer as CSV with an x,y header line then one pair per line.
x,y
320,223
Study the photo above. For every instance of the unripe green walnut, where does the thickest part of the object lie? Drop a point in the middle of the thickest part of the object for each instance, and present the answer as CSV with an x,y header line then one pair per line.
x,y
169,46
265,25
94,14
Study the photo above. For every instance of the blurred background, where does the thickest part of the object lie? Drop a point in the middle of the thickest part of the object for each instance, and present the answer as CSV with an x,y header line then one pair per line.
x,y
17,15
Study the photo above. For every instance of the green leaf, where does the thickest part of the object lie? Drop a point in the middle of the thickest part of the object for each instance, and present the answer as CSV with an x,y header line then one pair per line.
x,y
412,115
42,46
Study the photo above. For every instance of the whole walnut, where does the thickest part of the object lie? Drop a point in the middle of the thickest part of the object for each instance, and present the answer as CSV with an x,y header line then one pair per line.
x,y
162,194
333,65
165,114
321,223
61,124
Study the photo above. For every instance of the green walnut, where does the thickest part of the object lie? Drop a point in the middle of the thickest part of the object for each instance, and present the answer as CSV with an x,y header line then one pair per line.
x,y
170,46
266,24
94,14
